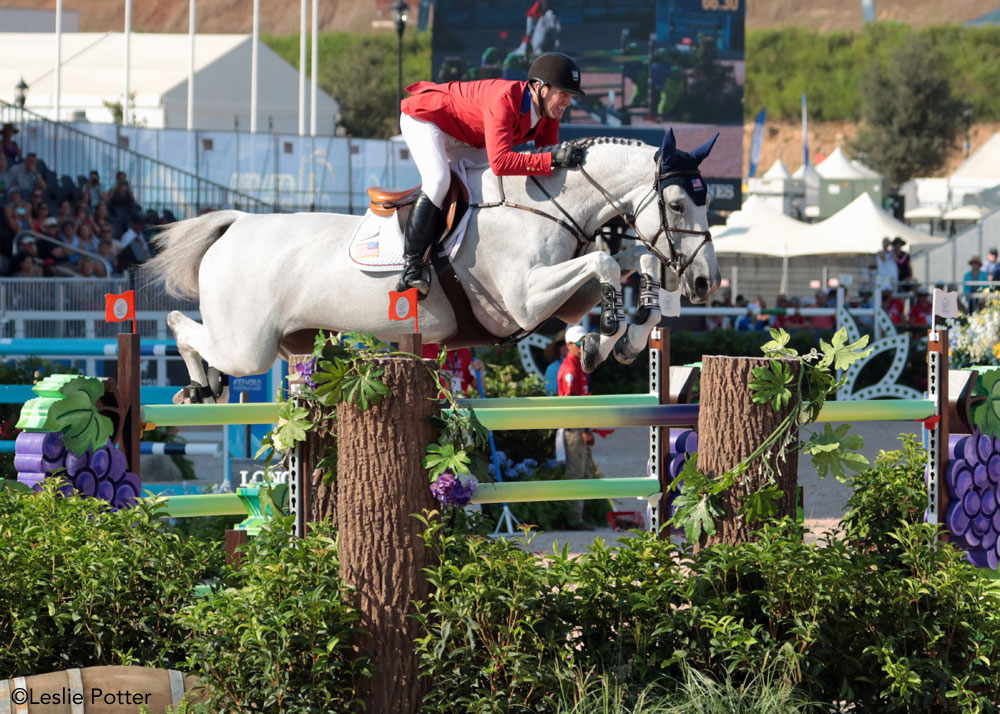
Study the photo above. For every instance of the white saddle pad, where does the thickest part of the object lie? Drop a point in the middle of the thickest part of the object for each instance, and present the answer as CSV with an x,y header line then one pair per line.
x,y
377,243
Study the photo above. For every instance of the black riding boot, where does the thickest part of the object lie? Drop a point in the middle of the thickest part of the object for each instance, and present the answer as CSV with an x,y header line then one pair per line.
x,y
423,227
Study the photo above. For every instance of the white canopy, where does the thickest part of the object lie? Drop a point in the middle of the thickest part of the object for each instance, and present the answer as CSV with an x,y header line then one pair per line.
x,y
759,229
922,213
859,227
966,213
778,171
808,173
838,166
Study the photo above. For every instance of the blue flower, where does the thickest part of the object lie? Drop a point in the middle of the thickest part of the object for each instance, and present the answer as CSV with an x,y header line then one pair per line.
x,y
306,370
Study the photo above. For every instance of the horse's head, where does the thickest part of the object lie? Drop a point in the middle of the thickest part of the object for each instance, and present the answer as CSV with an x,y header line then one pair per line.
x,y
680,216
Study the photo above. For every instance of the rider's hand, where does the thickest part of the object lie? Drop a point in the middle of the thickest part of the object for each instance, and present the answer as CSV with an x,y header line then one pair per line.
x,y
567,156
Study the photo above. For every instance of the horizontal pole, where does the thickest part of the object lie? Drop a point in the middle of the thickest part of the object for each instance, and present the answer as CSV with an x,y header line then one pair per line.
x,y
8,446
592,400
210,504
565,490
20,393
209,414
877,410
499,418
81,347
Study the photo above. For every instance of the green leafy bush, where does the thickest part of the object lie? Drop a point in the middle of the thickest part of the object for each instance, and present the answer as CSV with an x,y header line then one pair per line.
x,y
83,586
277,635
886,620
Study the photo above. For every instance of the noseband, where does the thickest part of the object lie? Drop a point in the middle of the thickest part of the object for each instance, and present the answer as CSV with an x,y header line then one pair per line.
x,y
674,260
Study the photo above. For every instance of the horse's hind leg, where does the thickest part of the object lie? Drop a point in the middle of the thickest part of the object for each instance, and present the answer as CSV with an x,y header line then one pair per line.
x,y
189,334
647,316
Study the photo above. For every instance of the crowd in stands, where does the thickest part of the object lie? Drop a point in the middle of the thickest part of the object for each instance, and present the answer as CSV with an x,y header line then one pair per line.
x,y
95,230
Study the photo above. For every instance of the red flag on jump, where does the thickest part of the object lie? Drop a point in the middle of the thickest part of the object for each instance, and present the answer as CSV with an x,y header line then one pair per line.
x,y
118,308
410,298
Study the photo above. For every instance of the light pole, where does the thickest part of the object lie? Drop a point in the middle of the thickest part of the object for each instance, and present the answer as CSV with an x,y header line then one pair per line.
x,y
400,14
19,90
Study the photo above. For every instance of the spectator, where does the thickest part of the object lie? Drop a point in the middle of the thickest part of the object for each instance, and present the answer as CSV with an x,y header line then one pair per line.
x,y
65,212
120,197
40,213
458,368
87,267
27,266
718,322
3,179
9,212
106,249
893,306
886,270
865,303
824,322
8,147
920,311
92,193
106,232
100,215
974,273
904,273
795,320
992,267
85,239
21,213
47,250
81,214
26,175
579,442
555,353
134,249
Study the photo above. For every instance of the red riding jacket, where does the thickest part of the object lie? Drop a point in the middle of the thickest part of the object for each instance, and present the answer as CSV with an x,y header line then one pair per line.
x,y
490,113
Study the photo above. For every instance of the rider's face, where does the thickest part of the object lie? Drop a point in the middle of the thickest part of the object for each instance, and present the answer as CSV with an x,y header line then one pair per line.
x,y
553,101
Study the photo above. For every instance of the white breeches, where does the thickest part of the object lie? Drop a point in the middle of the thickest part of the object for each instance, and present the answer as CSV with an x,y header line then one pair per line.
x,y
432,149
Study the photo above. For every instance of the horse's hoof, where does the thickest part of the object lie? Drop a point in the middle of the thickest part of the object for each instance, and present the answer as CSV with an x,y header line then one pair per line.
x,y
590,352
181,398
623,351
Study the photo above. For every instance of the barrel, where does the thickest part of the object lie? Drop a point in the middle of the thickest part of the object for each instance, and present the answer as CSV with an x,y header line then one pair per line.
x,y
97,690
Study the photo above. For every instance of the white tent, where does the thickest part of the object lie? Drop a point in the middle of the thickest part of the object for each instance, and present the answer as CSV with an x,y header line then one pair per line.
x,y
859,227
759,229
778,171
967,213
838,166
93,73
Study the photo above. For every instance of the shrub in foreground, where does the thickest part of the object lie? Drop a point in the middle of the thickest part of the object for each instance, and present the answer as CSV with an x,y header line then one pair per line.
x,y
83,586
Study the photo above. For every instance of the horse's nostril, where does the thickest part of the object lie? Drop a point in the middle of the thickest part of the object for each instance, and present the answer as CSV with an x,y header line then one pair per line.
x,y
701,286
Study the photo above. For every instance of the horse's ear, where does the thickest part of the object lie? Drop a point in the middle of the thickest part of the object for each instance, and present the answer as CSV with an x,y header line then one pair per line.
x,y
704,150
667,148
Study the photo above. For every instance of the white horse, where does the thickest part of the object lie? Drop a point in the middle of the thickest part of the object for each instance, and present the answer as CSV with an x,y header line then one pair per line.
x,y
267,283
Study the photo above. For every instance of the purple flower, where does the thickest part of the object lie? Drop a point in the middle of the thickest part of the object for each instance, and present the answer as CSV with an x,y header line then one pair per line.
x,y
306,370
451,491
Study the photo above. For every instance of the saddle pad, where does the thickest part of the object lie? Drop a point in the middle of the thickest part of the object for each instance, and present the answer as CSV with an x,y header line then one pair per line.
x,y
377,243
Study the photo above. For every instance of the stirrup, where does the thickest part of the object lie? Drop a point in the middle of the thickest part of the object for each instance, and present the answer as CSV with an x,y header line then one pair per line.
x,y
415,276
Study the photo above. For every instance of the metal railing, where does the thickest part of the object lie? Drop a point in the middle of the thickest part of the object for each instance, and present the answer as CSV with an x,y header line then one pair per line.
x,y
67,151
949,261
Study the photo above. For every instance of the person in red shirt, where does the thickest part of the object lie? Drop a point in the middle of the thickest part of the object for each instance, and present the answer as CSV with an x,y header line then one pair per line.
x,y
458,370
920,311
579,442
440,122
893,306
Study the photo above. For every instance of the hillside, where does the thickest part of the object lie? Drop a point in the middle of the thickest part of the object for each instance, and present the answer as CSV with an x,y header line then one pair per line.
x,y
282,18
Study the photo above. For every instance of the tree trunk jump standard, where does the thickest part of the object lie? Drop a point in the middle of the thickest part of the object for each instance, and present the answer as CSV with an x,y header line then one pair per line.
x,y
380,485
730,428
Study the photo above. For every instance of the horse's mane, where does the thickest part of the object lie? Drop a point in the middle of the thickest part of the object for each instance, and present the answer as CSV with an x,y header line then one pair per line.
x,y
587,142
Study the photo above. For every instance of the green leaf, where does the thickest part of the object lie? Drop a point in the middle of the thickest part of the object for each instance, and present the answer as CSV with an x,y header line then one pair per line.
x,y
364,387
841,355
293,424
986,412
762,504
443,457
771,384
75,414
835,451
699,517
778,346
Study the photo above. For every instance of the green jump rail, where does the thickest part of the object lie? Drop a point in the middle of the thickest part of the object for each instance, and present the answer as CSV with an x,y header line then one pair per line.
x,y
529,413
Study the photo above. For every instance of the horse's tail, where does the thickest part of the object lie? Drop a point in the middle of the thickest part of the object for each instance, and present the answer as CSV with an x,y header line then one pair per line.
x,y
181,248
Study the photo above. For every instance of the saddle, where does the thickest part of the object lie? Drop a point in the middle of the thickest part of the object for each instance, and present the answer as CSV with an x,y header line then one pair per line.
x,y
385,201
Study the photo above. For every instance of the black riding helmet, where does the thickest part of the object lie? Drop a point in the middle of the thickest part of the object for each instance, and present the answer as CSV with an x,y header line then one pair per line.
x,y
557,69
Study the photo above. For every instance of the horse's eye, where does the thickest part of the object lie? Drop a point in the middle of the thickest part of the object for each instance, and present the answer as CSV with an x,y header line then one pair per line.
x,y
677,206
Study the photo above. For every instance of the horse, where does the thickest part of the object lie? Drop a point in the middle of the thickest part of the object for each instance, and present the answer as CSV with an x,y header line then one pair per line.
x,y
266,283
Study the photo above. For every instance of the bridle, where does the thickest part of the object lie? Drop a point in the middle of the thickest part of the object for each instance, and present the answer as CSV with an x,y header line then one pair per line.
x,y
674,260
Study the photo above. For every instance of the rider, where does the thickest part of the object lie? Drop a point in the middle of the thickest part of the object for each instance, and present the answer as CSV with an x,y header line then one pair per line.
x,y
440,120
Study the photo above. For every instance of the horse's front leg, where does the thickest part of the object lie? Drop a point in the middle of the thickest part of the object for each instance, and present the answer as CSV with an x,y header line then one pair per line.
x,y
647,315
548,287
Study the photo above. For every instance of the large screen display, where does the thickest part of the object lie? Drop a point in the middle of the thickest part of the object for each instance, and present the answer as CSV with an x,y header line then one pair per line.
x,y
647,65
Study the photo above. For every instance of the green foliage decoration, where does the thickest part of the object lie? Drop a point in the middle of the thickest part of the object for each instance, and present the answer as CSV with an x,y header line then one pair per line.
x,y
699,503
68,404
986,410
343,369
